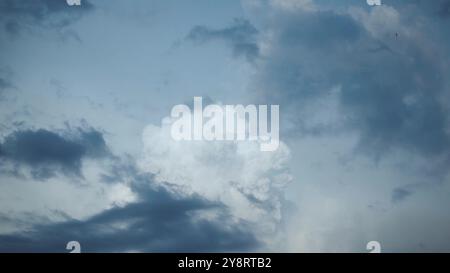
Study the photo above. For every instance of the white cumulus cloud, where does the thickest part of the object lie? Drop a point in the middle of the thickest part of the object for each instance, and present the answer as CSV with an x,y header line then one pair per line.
x,y
236,173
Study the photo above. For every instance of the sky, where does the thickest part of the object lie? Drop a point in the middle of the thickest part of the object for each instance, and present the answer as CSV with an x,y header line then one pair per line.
x,y
86,153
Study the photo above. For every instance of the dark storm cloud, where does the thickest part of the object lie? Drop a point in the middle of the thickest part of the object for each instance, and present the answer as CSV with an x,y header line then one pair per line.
x,y
161,221
47,152
16,14
241,36
391,97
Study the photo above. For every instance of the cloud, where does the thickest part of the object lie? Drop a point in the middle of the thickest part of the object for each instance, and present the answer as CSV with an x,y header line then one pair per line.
x,y
249,182
48,152
444,9
438,9
161,220
4,84
389,72
157,216
17,14
399,194
293,4
240,36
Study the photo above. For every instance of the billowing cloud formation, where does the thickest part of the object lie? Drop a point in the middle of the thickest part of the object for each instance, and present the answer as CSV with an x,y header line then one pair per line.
x,y
241,36
47,152
238,174
15,14
160,221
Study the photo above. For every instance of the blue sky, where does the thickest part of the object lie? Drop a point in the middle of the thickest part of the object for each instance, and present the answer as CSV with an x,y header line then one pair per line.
x,y
364,108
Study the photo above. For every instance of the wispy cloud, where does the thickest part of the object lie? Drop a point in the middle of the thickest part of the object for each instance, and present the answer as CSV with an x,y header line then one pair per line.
x,y
240,36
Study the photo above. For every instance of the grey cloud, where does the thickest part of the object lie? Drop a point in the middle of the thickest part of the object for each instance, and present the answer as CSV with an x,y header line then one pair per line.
x,y
47,152
439,8
391,97
16,14
324,29
161,221
240,36
444,9
4,84
400,194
